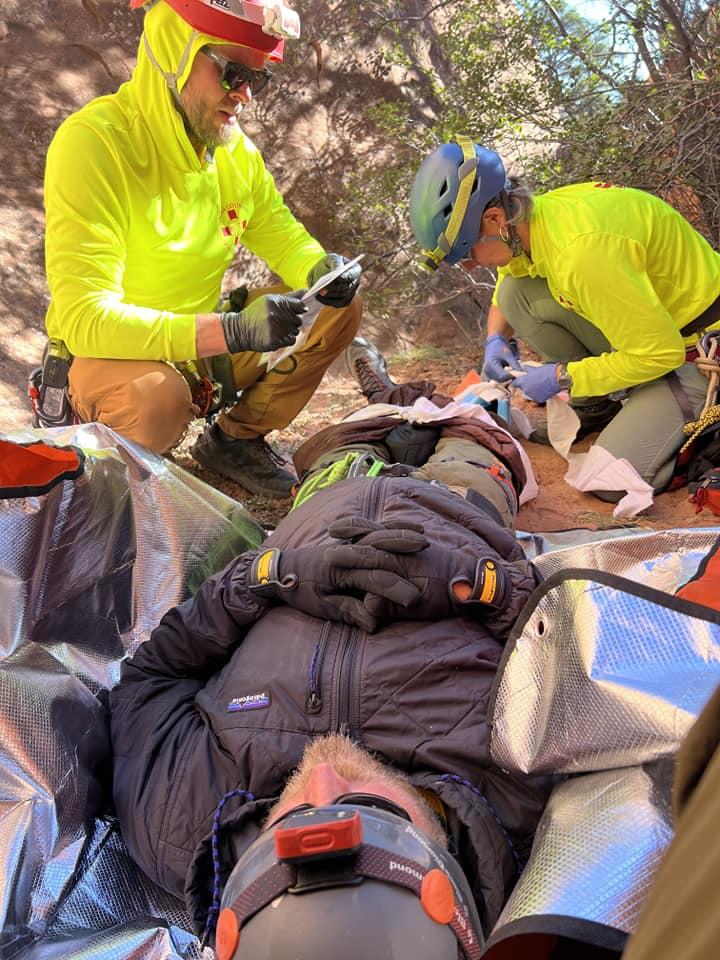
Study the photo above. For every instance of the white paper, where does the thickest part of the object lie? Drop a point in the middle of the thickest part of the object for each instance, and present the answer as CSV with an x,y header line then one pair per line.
x,y
597,469
327,278
273,357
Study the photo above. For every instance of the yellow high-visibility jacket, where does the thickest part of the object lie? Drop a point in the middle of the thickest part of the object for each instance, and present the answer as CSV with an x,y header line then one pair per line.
x,y
140,230
630,264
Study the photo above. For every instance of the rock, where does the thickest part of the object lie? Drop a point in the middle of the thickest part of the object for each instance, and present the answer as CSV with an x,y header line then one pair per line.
x,y
4,30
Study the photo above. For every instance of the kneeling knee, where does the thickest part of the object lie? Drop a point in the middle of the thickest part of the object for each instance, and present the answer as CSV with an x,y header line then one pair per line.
x,y
163,408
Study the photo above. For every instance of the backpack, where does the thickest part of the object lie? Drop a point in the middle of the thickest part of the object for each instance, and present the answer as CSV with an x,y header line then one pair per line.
x,y
698,463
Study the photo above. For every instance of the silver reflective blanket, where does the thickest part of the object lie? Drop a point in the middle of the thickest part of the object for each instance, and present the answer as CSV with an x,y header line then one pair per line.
x,y
86,571
602,677
600,874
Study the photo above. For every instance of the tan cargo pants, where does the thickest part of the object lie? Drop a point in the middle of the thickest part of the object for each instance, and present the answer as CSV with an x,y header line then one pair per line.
x,y
149,401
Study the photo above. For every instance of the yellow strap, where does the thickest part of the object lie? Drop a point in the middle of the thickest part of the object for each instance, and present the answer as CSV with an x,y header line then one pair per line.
x,y
489,588
461,203
264,564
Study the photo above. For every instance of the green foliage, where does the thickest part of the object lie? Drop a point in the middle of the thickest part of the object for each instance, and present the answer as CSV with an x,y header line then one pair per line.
x,y
633,99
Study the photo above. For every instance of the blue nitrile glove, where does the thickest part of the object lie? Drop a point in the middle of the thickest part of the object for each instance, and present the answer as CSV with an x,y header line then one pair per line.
x,y
538,383
499,354
343,288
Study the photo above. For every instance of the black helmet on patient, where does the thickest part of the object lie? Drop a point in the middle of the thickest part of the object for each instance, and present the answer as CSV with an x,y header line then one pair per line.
x,y
350,882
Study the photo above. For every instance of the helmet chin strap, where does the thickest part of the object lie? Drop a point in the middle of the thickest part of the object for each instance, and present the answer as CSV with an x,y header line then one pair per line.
x,y
171,78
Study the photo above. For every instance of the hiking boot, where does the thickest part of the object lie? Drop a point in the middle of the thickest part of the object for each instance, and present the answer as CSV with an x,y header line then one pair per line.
x,y
593,417
251,463
367,365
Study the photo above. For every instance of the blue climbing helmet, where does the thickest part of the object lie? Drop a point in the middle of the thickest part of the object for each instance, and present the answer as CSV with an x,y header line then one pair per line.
x,y
452,188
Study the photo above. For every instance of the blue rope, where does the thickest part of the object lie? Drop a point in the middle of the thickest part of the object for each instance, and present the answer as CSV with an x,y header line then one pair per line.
x,y
478,793
217,891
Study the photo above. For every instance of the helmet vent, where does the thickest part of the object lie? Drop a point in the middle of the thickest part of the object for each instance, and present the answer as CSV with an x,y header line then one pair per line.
x,y
447,210
444,187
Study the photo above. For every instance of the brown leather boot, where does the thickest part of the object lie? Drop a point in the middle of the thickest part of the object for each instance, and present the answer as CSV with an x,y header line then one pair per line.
x,y
368,366
252,463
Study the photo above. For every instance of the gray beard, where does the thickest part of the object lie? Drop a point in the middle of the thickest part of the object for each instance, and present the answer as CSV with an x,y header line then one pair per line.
x,y
198,134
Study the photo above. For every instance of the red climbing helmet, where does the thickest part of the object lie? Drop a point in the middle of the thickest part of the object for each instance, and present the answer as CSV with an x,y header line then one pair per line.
x,y
262,25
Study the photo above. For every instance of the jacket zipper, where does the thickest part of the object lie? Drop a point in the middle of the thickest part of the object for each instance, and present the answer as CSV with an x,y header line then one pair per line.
x,y
373,497
352,643
314,700
345,684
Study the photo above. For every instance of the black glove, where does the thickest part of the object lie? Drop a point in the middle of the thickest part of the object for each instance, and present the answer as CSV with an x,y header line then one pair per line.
x,y
341,291
450,582
267,323
237,298
306,578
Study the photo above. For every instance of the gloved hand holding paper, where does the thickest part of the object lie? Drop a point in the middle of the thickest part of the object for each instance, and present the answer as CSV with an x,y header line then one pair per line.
x,y
274,357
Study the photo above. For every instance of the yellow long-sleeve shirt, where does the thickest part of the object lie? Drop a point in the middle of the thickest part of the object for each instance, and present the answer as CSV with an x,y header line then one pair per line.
x,y
140,230
631,265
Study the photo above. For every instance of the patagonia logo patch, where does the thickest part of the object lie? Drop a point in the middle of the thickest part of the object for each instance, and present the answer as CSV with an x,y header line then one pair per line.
x,y
251,701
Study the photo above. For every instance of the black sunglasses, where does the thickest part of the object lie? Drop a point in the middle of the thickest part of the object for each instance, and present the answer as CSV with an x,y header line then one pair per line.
x,y
353,800
233,75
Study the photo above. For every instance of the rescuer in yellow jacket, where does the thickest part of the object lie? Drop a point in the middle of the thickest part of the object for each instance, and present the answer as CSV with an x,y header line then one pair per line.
x,y
610,286
150,193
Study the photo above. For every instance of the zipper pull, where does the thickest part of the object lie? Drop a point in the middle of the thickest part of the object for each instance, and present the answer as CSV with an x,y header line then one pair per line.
x,y
314,703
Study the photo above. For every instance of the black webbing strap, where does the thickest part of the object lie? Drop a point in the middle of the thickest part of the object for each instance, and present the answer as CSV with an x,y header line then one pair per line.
x,y
372,862
268,886
707,318
379,864
683,401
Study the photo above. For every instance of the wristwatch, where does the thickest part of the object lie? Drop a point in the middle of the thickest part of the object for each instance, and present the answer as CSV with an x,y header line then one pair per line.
x,y
563,377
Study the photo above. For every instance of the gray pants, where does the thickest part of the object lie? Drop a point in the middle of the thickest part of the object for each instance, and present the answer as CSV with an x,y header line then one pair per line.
x,y
648,431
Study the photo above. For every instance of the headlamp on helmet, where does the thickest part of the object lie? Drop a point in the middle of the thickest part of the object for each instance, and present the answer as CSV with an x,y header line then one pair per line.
x,y
351,881
259,24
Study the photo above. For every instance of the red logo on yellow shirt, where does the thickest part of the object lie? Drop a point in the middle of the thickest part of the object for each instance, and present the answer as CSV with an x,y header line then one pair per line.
x,y
232,225
568,304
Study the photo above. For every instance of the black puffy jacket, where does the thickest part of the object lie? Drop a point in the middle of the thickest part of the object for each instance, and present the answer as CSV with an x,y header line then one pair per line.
x,y
415,694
